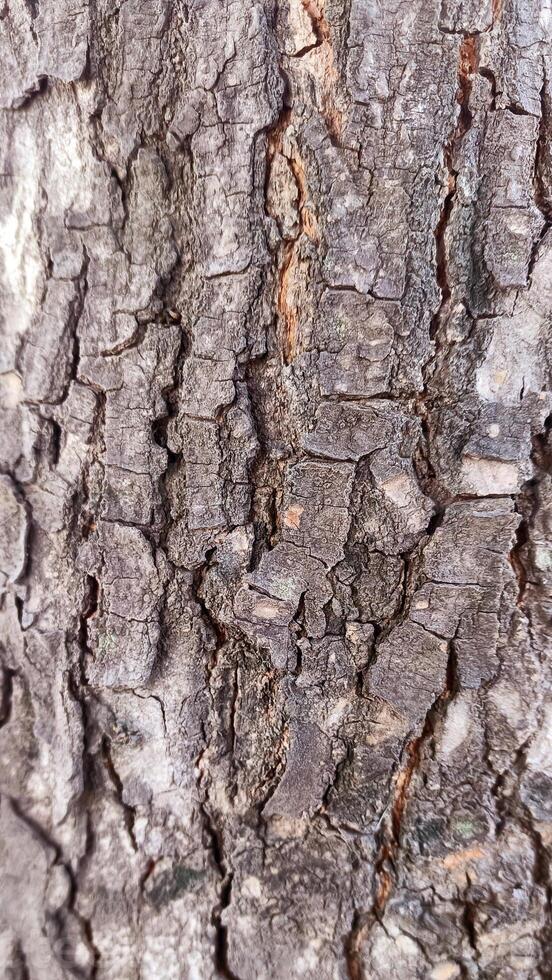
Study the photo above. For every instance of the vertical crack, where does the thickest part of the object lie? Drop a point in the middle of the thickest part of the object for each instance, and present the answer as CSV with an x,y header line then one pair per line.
x,y
7,695
289,259
467,66
128,811
389,836
496,9
23,972
39,831
527,505
468,56
329,78
541,193
221,942
213,834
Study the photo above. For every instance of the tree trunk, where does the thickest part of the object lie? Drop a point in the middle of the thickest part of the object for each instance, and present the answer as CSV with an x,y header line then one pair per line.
x,y
276,491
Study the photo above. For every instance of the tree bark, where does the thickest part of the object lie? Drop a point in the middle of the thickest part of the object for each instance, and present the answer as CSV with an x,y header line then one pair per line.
x,y
276,494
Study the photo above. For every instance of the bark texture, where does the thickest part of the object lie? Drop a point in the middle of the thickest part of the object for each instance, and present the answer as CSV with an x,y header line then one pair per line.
x,y
276,494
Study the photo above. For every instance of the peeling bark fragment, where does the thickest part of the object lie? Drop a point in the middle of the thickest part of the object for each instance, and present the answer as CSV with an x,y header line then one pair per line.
x,y
13,532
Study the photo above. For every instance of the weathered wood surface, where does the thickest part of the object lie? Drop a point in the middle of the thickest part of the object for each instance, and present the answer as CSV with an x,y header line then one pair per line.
x,y
276,503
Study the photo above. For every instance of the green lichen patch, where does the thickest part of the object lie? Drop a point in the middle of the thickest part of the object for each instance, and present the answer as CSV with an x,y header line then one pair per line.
x,y
172,883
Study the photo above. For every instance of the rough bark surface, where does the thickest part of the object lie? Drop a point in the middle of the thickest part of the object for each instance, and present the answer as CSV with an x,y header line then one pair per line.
x,y
276,489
